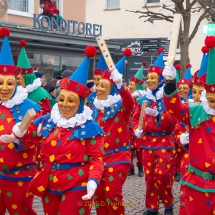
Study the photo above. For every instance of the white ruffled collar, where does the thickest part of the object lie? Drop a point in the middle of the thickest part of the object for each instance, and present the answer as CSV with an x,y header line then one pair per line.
x,y
205,104
159,94
31,87
138,93
109,102
18,98
78,119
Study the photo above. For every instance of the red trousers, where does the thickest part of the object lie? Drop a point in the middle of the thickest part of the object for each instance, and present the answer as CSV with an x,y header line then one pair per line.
x,y
69,203
139,153
108,197
180,151
159,167
15,198
199,203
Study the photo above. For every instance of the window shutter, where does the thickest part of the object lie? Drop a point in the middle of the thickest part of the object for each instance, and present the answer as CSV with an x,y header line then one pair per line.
x,y
113,4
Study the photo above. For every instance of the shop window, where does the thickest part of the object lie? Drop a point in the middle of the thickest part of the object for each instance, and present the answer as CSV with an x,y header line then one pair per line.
x,y
21,7
71,63
112,4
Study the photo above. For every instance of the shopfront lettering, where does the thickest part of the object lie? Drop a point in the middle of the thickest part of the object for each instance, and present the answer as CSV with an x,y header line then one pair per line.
x,y
68,26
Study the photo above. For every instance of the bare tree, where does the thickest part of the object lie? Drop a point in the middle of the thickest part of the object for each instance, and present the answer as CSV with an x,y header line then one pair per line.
x,y
186,8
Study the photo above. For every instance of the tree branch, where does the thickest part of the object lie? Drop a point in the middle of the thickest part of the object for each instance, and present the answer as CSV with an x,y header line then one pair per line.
x,y
169,9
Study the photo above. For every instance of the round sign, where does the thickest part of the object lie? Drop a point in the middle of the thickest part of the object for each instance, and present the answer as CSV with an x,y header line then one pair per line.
x,y
3,8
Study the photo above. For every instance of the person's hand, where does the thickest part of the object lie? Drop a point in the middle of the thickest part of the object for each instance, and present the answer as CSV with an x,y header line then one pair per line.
x,y
9,138
138,132
117,78
151,112
184,138
91,188
169,71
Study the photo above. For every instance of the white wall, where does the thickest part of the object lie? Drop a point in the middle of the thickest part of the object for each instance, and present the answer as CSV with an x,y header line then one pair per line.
x,y
122,24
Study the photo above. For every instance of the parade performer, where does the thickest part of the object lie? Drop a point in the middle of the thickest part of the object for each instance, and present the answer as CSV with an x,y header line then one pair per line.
x,y
72,148
184,137
185,93
32,84
136,89
157,143
17,159
199,179
101,66
111,111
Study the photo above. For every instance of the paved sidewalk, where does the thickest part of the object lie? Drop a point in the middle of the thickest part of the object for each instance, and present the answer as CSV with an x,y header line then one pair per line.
x,y
134,195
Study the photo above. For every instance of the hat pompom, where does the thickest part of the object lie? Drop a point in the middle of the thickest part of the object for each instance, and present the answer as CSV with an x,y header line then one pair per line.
x,y
90,51
22,43
210,42
178,66
188,65
160,50
127,52
205,49
4,32
144,63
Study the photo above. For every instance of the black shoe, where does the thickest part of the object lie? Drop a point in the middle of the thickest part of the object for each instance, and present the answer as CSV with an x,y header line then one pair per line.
x,y
131,171
177,177
140,171
168,212
150,213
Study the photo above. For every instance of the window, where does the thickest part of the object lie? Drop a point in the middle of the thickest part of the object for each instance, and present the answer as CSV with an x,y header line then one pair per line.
x,y
112,4
151,2
21,7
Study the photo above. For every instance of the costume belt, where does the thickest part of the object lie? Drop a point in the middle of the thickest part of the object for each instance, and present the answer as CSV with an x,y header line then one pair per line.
x,y
111,151
204,175
12,171
158,134
63,166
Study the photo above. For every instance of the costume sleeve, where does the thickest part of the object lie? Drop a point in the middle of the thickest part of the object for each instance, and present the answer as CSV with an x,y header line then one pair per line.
x,y
57,11
127,102
46,8
95,153
174,106
46,107
136,117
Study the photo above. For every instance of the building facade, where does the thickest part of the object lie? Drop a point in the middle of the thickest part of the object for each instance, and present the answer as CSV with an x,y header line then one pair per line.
x,y
128,28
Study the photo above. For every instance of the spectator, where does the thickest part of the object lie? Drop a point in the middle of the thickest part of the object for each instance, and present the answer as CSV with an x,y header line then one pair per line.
x,y
41,4
50,88
42,78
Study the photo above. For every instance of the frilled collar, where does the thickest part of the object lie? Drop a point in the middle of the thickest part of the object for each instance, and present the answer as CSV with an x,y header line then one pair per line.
x,y
159,94
17,99
205,104
77,120
31,87
109,102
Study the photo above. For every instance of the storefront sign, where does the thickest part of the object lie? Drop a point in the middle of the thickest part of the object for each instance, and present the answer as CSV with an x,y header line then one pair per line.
x,y
69,26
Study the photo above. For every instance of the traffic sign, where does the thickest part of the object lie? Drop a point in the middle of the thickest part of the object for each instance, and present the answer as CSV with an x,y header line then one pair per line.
x,y
208,29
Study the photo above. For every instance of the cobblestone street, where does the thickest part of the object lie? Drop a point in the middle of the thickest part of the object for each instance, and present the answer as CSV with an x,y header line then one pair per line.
x,y
133,191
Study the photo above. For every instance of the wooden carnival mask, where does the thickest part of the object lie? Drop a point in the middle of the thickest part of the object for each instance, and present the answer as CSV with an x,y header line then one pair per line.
x,y
7,86
103,89
152,80
68,103
96,79
20,80
211,99
196,93
132,86
183,91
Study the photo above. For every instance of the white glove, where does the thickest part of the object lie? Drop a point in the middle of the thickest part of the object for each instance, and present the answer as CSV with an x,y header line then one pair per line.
x,y
17,131
151,112
184,138
91,188
9,138
39,129
138,132
117,78
169,71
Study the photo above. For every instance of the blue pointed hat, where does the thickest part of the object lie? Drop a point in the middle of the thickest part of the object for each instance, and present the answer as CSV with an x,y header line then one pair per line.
x,y
158,65
101,66
187,79
78,80
6,58
120,65
204,63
